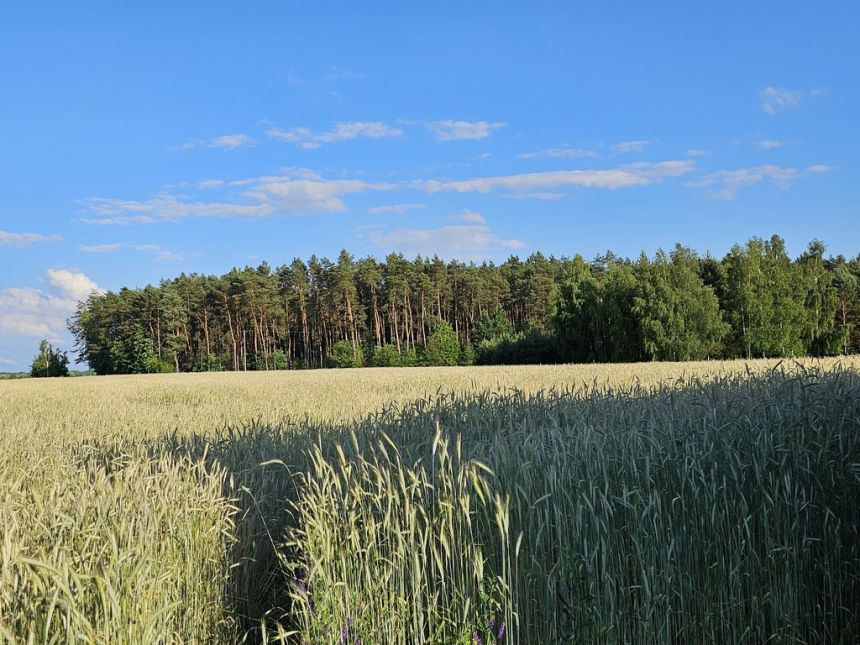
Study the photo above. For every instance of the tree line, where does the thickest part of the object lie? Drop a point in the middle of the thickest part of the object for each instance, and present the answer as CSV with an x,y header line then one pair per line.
x,y
754,302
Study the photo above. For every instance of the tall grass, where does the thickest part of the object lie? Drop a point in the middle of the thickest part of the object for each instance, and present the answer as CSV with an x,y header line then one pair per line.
x,y
701,512
721,506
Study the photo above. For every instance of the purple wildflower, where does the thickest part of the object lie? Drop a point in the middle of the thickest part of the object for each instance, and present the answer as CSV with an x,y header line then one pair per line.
x,y
476,638
501,632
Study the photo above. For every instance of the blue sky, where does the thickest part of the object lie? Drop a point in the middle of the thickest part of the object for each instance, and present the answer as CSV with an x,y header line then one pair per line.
x,y
141,142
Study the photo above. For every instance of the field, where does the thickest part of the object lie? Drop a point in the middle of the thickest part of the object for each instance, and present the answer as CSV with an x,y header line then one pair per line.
x,y
664,502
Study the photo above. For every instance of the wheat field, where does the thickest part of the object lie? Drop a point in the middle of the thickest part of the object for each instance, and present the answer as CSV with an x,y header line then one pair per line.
x,y
663,502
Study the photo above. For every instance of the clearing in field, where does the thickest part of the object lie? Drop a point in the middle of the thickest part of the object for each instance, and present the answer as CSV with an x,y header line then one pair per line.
x,y
696,502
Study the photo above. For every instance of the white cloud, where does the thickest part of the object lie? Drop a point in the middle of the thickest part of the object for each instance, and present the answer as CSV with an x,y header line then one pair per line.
x,y
342,131
547,196
158,252
24,239
397,209
698,152
34,313
73,284
724,184
770,144
819,168
470,241
288,195
635,174
558,153
100,248
209,183
469,217
293,192
7,361
224,142
626,147
775,100
165,207
299,191
231,141
451,130
123,220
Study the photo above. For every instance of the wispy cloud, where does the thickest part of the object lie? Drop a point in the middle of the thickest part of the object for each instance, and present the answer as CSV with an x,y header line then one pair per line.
x,y
101,248
626,147
343,131
562,152
225,142
451,130
337,74
310,193
771,144
158,252
8,238
471,240
209,183
724,184
296,191
698,152
775,100
300,191
635,174
36,313
165,207
547,196
397,209
118,220
468,217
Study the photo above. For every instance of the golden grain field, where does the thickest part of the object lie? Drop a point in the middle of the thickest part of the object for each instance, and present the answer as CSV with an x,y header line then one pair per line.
x,y
628,503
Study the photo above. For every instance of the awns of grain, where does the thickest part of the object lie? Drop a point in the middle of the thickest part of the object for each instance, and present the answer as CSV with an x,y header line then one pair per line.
x,y
720,509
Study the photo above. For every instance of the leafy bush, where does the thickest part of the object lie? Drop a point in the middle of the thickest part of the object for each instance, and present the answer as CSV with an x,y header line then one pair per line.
x,y
213,363
386,356
157,365
529,348
443,346
467,354
343,355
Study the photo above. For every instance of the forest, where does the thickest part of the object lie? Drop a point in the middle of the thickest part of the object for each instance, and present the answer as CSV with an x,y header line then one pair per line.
x,y
754,302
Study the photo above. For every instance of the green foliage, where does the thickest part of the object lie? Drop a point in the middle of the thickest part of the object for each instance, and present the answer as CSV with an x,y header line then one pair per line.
x,y
344,355
765,300
528,348
608,310
279,360
213,363
409,358
159,366
491,327
49,362
443,346
679,315
386,356
467,354
594,318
